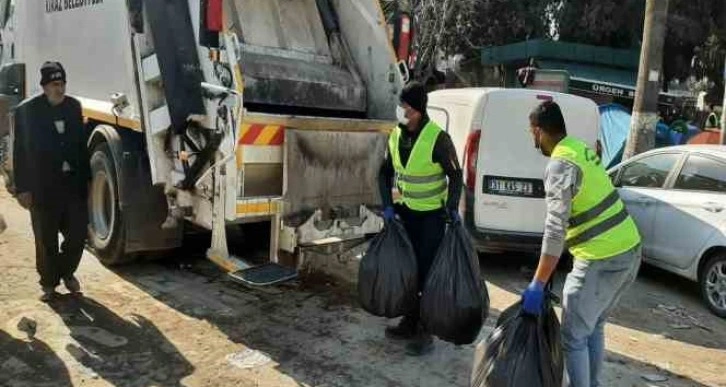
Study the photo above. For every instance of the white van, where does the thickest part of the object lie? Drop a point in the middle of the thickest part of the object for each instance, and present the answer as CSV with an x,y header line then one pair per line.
x,y
503,172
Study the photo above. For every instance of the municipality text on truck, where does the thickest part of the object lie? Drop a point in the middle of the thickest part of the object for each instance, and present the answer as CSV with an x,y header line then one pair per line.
x,y
219,112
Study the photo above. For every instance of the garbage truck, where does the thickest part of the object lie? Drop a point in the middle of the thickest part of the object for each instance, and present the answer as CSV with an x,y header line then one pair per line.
x,y
216,113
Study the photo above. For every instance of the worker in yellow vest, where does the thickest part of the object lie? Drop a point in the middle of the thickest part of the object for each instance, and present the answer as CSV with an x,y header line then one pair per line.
x,y
422,160
584,213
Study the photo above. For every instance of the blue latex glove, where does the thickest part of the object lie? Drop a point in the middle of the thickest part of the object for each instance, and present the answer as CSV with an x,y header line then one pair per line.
x,y
389,214
533,298
454,216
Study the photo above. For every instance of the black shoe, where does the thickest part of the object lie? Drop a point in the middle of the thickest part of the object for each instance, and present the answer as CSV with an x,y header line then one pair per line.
x,y
49,294
405,330
422,345
72,285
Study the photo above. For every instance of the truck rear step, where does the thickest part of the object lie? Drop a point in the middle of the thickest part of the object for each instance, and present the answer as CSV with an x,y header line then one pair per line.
x,y
264,275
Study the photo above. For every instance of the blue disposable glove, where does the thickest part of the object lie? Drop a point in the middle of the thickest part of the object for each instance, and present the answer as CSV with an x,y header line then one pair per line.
x,y
389,214
533,297
454,216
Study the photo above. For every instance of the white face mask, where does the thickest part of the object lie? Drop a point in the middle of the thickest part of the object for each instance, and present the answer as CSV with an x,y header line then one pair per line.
x,y
401,115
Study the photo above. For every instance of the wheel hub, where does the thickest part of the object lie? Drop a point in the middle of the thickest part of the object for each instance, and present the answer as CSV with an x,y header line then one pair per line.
x,y
102,206
716,285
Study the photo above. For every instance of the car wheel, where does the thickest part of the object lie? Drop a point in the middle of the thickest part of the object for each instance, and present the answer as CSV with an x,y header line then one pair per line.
x,y
713,284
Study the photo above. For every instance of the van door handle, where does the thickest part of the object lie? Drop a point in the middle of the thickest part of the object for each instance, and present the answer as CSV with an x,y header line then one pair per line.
x,y
713,207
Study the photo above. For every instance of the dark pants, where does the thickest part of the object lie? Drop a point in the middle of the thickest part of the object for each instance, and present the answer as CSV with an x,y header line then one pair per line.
x,y
425,230
67,213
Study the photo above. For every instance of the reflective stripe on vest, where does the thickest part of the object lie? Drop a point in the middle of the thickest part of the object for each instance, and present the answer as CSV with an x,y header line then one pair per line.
x,y
421,182
596,211
422,179
599,226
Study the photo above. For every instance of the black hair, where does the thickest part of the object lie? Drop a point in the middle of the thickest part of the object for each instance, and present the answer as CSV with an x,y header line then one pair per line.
x,y
548,116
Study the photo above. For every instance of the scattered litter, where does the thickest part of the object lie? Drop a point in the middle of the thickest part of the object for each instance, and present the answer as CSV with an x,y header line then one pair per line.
x,y
668,307
654,378
680,326
681,317
248,358
29,326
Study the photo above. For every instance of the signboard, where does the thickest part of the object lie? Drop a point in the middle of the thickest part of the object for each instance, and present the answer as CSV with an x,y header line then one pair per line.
x,y
551,80
602,88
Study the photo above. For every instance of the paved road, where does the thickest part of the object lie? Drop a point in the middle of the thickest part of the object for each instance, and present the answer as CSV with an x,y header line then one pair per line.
x,y
166,324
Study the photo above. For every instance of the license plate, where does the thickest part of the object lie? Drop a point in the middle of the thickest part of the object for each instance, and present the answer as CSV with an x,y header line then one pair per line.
x,y
511,187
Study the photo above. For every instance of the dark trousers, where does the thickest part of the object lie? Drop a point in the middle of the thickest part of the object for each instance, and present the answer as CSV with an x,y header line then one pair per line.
x,y
65,213
425,230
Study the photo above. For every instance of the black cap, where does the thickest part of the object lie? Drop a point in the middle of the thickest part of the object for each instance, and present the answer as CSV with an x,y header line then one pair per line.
x,y
51,72
414,94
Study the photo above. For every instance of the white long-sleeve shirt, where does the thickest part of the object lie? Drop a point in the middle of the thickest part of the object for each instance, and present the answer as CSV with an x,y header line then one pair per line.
x,y
562,182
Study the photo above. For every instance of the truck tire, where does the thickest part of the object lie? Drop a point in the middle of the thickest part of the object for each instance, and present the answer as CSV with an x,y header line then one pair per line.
x,y
106,231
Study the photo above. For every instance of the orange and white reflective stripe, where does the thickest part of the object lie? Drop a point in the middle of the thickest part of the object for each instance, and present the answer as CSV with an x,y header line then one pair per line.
x,y
260,134
258,207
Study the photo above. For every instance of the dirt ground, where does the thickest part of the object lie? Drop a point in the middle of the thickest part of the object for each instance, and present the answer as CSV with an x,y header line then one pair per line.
x,y
181,322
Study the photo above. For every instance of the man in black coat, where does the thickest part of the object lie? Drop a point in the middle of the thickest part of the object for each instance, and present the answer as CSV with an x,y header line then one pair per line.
x,y
51,171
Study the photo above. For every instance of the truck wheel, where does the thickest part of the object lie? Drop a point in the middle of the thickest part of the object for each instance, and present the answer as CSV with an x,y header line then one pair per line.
x,y
106,231
713,284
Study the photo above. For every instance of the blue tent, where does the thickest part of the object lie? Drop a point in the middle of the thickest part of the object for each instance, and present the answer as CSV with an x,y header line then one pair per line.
x,y
614,129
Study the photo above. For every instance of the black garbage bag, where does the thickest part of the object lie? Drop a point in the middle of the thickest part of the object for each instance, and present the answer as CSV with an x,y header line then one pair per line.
x,y
455,301
523,351
388,273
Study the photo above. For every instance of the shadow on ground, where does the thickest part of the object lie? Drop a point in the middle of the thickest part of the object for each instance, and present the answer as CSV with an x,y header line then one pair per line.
x,y
31,361
658,303
120,351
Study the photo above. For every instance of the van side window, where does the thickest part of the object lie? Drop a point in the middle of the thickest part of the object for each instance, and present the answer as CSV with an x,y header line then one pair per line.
x,y
439,116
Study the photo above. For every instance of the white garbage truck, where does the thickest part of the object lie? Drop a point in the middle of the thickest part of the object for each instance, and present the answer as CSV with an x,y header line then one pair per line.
x,y
219,112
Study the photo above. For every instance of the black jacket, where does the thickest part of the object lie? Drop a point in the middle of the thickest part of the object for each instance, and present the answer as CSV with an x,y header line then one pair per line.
x,y
40,150
444,154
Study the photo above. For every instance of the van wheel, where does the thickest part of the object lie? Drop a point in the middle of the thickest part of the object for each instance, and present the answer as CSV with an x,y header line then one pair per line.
x,y
106,232
713,284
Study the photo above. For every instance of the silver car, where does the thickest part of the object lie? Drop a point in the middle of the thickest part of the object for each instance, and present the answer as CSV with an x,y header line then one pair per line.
x,y
677,196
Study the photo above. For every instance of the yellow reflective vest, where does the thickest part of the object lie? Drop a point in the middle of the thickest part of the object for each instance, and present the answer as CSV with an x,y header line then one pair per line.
x,y
421,182
599,225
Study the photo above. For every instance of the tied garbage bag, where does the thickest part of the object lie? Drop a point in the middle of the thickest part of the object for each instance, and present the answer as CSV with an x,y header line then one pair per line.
x,y
388,273
455,301
523,351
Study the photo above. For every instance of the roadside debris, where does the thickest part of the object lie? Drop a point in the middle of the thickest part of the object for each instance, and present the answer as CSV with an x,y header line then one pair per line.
x,y
28,326
248,358
654,378
682,319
